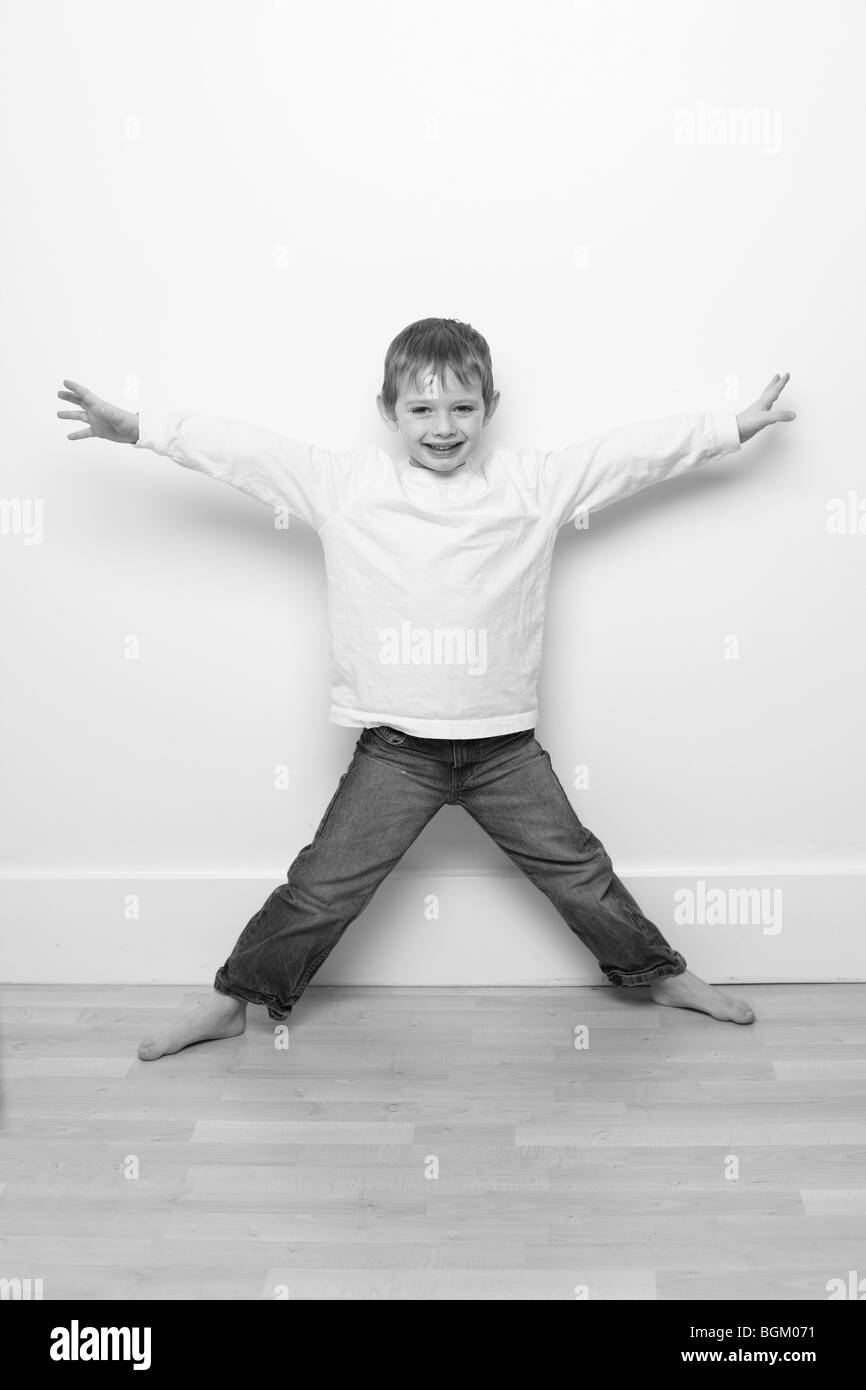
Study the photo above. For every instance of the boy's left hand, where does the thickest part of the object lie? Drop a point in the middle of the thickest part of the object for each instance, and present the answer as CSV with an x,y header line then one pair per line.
x,y
761,413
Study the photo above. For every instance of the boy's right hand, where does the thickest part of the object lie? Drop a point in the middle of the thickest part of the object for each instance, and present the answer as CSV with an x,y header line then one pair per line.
x,y
105,421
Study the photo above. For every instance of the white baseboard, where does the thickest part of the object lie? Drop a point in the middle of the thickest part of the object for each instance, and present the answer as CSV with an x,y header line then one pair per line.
x,y
491,929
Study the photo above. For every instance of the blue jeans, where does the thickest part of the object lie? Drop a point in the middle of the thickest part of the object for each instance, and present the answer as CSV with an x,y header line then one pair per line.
x,y
395,784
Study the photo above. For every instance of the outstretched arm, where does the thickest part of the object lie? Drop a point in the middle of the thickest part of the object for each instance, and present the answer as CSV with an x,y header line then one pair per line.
x,y
583,478
307,481
761,413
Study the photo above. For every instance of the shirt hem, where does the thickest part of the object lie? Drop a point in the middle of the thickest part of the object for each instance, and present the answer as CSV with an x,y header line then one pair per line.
x,y
487,727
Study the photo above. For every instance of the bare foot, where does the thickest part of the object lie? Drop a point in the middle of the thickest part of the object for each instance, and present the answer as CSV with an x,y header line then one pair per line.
x,y
220,1016
686,991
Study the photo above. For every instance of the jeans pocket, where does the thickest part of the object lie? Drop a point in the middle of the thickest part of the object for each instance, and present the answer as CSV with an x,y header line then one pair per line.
x,y
393,736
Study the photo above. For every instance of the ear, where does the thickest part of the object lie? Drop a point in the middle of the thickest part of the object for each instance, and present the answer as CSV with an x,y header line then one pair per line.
x,y
386,414
494,402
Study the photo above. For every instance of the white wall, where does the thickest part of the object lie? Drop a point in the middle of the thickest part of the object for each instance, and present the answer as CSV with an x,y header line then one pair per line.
x,y
236,206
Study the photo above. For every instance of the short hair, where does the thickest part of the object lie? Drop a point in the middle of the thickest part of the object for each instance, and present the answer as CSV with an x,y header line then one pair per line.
x,y
441,343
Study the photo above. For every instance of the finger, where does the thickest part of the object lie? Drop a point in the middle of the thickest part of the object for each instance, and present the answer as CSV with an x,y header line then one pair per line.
x,y
774,388
71,415
766,398
782,416
81,434
81,391
70,396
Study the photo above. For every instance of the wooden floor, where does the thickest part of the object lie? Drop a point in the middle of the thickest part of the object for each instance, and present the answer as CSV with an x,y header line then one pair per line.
x,y
600,1171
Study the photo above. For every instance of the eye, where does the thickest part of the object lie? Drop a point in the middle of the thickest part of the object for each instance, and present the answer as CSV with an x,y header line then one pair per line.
x,y
419,410
470,408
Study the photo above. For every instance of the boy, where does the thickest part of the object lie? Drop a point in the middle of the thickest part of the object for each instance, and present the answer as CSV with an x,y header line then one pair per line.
x,y
437,566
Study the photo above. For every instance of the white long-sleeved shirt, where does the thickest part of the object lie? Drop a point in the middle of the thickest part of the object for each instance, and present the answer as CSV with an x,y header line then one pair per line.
x,y
437,583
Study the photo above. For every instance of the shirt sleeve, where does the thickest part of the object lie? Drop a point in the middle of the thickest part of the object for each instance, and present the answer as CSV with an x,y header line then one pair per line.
x,y
310,482
606,468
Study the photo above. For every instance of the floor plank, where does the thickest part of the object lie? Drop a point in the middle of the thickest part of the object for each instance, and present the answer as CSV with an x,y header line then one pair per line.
x,y
435,1144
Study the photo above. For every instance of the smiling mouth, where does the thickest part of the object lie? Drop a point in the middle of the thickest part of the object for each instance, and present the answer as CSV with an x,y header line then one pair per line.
x,y
444,448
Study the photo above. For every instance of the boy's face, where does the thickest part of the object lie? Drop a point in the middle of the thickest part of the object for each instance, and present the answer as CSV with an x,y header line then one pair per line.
x,y
439,419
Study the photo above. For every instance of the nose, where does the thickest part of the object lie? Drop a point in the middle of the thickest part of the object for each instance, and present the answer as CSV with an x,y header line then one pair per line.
x,y
443,426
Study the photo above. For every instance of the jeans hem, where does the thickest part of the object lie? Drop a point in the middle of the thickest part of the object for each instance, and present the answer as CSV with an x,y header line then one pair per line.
x,y
275,1007
646,977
